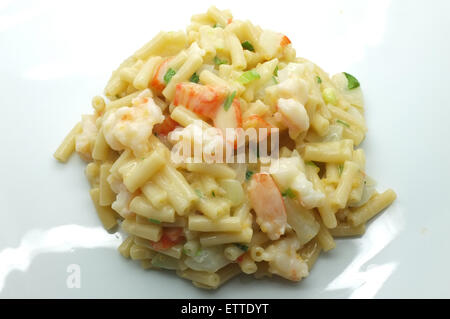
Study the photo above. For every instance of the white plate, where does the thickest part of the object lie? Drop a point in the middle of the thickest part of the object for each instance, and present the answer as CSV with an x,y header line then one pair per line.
x,y
56,55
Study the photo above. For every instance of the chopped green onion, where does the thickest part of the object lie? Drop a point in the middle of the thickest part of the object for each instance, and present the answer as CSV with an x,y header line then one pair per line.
x,y
155,221
329,95
169,74
198,252
275,72
310,163
248,77
199,193
248,175
218,61
213,194
340,169
248,46
353,83
184,251
343,123
319,80
275,79
194,78
288,193
229,100
242,247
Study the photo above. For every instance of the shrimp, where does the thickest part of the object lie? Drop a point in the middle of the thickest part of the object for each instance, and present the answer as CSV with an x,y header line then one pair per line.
x,y
167,126
268,204
122,203
201,99
229,119
157,81
257,122
209,140
130,127
308,196
273,44
288,173
170,237
283,259
294,116
285,41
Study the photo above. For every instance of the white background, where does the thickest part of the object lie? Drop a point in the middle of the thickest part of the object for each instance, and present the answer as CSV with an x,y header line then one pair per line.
x,y
56,55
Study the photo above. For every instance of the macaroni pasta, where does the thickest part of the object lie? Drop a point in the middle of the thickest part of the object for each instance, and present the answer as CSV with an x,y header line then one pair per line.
x,y
211,221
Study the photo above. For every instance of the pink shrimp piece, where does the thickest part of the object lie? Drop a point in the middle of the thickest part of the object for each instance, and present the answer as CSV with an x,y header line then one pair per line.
x,y
167,126
237,111
285,41
268,204
257,122
158,82
170,237
201,99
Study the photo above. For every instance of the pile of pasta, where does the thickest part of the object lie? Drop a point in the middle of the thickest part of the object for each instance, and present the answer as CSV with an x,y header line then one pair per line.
x,y
212,221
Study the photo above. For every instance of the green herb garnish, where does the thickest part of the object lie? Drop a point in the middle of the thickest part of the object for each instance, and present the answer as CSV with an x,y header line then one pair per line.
x,y
310,163
248,77
288,193
199,193
218,61
213,194
194,78
319,80
353,83
343,123
242,247
248,46
340,169
229,100
275,79
198,252
248,175
275,72
169,74
155,221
